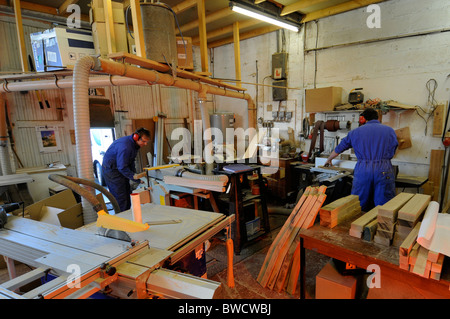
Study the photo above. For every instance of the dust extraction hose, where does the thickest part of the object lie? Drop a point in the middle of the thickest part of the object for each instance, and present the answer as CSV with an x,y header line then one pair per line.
x,y
72,183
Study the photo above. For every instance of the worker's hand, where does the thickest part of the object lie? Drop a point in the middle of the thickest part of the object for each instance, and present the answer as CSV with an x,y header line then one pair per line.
x,y
328,163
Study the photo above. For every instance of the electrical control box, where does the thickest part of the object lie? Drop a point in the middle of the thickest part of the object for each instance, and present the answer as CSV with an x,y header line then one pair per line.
x,y
279,91
279,65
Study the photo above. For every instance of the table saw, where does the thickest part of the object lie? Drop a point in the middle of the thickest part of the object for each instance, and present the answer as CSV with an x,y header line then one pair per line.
x,y
85,263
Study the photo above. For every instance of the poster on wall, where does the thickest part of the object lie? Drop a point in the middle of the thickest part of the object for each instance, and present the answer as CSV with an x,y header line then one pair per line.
x,y
48,139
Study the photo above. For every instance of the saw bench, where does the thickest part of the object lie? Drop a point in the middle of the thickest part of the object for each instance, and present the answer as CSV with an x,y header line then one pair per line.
x,y
85,262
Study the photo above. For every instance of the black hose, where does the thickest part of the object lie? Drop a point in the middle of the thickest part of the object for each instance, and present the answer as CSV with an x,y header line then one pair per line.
x,y
71,182
100,188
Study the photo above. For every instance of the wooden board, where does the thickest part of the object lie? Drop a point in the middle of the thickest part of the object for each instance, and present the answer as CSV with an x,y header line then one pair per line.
x,y
278,270
414,208
406,246
403,138
435,171
391,208
438,120
358,224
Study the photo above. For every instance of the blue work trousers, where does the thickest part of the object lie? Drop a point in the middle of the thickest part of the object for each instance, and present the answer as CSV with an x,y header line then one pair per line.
x,y
373,182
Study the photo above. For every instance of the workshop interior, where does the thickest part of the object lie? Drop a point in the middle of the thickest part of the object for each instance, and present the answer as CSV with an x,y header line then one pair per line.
x,y
243,190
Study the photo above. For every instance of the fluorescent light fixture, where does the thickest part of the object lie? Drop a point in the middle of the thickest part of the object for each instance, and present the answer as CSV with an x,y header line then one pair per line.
x,y
236,8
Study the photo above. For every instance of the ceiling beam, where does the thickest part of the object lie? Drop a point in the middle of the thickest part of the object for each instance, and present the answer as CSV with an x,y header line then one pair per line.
x,y
227,30
237,53
244,36
32,7
259,1
340,8
217,15
300,5
202,35
20,36
183,6
62,8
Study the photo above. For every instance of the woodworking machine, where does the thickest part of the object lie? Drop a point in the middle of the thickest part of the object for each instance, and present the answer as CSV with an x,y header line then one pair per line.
x,y
85,262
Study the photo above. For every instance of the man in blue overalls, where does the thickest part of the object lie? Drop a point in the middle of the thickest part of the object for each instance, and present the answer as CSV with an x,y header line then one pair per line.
x,y
118,165
374,145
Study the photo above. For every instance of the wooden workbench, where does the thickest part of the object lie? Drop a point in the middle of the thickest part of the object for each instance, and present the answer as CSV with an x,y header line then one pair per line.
x,y
338,244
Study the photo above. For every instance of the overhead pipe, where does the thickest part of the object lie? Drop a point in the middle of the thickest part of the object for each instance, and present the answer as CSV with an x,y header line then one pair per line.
x,y
67,82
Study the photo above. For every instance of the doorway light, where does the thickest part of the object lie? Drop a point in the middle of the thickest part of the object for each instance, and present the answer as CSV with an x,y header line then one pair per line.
x,y
253,13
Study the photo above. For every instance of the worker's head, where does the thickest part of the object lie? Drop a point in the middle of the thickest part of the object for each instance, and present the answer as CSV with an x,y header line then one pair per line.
x,y
141,136
370,114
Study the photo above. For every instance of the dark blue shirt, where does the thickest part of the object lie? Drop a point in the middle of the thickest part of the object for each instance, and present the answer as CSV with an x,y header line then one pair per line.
x,y
372,141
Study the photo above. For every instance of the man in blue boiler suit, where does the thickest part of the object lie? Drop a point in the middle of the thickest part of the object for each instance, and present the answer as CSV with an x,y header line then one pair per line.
x,y
374,145
118,165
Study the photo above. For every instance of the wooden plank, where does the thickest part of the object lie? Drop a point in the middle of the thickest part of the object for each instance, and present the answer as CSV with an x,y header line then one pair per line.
x,y
361,222
194,183
311,217
391,208
370,230
20,36
438,120
316,203
267,265
237,53
434,173
202,35
138,31
403,138
414,208
295,270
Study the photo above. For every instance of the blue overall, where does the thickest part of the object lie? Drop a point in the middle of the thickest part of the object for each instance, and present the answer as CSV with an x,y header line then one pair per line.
x,y
118,169
373,177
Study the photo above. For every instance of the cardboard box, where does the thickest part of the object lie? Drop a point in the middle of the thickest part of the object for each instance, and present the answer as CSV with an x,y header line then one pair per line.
x,y
330,284
185,56
59,47
322,99
61,209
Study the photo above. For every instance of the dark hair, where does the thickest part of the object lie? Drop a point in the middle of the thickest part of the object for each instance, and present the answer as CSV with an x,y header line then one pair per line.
x,y
370,114
143,131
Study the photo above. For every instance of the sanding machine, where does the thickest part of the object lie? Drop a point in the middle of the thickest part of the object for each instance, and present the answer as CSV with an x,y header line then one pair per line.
x,y
132,263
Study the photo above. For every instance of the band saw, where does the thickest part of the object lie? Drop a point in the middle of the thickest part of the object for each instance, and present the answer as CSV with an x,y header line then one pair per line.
x,y
85,261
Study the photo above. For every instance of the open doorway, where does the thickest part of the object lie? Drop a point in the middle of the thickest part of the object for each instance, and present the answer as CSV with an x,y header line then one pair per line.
x,y
101,139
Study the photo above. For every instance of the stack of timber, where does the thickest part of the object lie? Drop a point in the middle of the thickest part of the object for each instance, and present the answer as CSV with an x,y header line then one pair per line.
x,y
419,260
408,216
281,267
365,226
212,185
336,212
387,218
